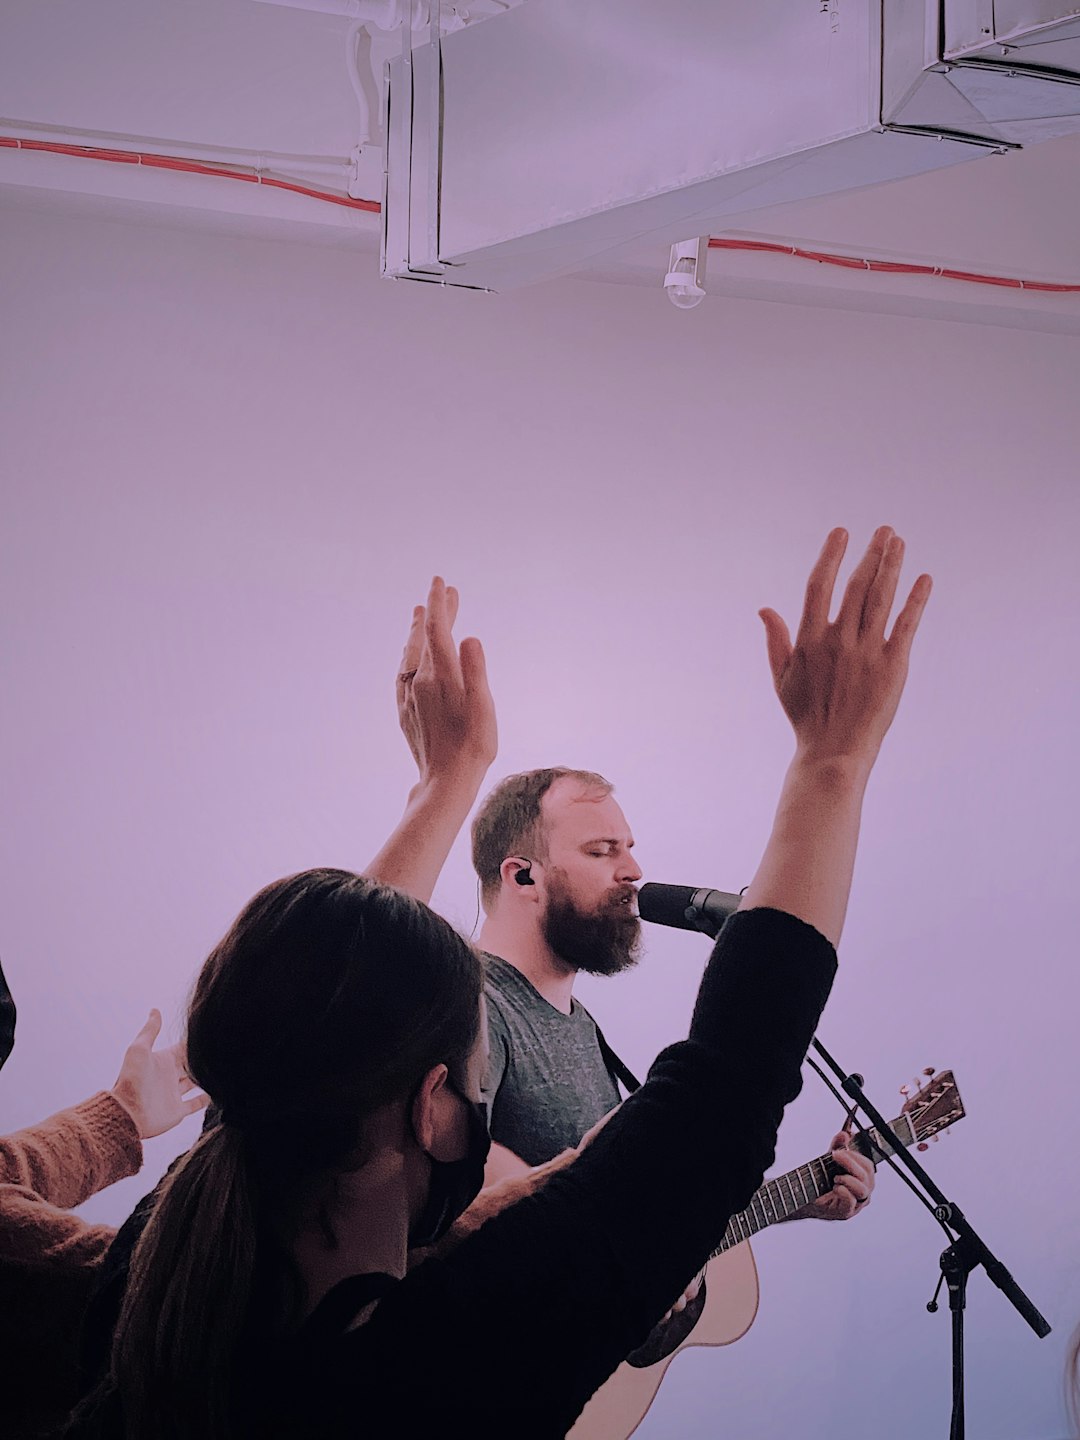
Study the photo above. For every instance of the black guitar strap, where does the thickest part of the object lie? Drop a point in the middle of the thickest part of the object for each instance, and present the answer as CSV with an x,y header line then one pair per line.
x,y
618,1068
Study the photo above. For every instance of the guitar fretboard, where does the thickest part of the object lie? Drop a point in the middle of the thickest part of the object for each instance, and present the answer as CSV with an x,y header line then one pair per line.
x,y
779,1199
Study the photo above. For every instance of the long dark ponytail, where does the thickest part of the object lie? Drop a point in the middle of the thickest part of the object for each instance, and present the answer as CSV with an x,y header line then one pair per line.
x,y
330,996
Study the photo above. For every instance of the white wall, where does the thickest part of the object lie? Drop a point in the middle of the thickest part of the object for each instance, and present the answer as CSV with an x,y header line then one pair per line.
x,y
230,469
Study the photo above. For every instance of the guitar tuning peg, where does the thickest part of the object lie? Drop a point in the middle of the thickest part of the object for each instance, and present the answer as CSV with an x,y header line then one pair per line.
x,y
904,1091
922,1145
929,1071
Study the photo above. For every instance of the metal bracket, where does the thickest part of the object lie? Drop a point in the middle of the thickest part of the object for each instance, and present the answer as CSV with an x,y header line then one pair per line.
x,y
1012,67
960,137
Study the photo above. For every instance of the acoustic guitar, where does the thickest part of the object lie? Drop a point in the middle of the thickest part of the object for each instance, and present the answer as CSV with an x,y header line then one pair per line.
x,y
727,1303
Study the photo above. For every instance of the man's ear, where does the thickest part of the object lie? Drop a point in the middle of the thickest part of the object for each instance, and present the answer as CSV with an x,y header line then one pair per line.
x,y
435,1118
517,875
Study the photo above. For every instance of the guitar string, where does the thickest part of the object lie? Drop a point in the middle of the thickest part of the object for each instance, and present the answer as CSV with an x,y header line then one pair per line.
x,y
782,1208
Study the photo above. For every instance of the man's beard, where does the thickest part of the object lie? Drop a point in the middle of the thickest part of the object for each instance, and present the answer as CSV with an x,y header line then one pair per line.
x,y
599,942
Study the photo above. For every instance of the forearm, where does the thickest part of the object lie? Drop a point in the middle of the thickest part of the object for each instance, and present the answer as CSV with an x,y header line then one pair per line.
x,y
35,1233
413,857
810,856
73,1154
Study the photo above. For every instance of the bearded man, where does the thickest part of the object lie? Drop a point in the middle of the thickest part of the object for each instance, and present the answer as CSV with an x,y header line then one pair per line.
x,y
552,850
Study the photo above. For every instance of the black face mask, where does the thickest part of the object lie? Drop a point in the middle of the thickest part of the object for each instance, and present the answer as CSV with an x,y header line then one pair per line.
x,y
455,1184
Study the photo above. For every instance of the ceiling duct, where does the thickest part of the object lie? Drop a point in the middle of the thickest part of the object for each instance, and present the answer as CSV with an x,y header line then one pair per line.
x,y
533,144
1005,70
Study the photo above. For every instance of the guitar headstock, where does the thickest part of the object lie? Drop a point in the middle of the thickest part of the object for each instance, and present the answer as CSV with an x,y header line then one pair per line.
x,y
935,1106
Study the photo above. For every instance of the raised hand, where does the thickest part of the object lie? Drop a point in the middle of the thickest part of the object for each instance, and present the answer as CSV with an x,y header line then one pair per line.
x,y
153,1085
840,682
445,707
448,718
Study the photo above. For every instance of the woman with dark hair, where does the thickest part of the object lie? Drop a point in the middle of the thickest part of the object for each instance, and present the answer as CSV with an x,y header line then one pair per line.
x,y
338,1026
333,1006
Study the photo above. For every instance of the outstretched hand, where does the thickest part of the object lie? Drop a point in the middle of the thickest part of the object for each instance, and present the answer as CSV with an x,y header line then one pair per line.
x,y
841,681
445,707
447,716
153,1085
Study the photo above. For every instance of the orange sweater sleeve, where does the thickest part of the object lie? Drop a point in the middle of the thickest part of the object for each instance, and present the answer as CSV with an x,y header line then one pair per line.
x,y
35,1233
74,1154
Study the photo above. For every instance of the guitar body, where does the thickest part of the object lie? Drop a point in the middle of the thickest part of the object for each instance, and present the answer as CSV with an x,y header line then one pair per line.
x,y
731,1302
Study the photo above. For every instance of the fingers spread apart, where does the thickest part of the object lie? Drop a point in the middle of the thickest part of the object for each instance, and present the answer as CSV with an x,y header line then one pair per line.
x,y
907,622
862,579
820,586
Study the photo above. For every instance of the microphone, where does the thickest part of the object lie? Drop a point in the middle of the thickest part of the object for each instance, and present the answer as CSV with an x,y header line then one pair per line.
x,y
686,908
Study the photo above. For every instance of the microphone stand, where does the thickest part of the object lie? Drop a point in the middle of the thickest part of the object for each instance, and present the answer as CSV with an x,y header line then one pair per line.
x,y
967,1251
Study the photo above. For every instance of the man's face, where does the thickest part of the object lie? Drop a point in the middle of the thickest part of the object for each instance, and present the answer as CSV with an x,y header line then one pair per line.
x,y
590,916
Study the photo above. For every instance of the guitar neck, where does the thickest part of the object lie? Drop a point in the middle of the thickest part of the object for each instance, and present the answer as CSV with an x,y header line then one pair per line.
x,y
779,1199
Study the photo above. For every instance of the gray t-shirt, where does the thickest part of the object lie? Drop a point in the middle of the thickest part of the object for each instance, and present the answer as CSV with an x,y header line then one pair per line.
x,y
548,1082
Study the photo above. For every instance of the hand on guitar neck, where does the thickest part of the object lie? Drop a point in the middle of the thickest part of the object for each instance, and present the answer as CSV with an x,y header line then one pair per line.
x,y
852,1187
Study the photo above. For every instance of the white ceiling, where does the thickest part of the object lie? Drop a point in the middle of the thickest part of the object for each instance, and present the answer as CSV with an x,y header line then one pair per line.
x,y
261,76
